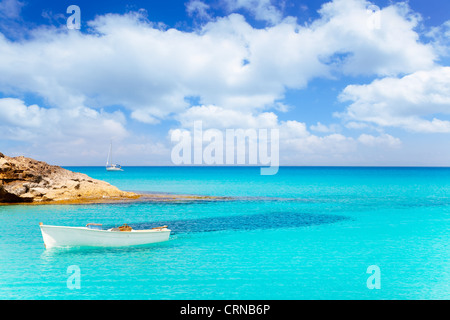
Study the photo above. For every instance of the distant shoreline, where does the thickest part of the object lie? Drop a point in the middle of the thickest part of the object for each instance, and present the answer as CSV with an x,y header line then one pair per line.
x,y
140,197
31,182
252,166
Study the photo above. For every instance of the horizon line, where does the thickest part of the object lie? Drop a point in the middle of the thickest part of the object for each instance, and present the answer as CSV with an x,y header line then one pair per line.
x,y
280,166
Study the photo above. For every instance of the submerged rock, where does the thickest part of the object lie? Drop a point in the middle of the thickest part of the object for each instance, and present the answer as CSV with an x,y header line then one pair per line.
x,y
25,180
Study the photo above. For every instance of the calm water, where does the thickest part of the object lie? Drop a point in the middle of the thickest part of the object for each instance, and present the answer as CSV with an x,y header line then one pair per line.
x,y
305,233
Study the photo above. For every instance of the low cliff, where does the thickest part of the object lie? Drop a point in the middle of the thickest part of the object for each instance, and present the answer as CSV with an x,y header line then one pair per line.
x,y
24,180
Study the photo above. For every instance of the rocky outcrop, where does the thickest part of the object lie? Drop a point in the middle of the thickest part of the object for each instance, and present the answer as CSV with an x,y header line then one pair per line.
x,y
24,180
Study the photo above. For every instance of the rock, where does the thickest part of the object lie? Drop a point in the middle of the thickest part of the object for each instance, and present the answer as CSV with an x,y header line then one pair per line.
x,y
28,180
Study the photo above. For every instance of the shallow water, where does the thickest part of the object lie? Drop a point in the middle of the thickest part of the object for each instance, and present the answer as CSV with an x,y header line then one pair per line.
x,y
305,233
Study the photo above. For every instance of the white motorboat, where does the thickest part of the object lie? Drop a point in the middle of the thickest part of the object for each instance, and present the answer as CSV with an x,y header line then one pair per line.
x,y
109,165
94,236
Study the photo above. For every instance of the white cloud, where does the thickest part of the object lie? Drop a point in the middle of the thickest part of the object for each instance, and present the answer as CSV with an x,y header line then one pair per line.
x,y
59,131
297,144
319,127
406,102
221,118
198,8
384,139
10,8
263,10
356,47
57,124
11,22
237,74
129,61
440,38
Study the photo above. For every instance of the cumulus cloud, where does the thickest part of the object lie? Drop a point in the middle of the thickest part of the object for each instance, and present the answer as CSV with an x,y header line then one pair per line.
x,y
11,23
297,144
198,8
221,118
358,47
264,10
237,74
56,131
127,60
319,127
50,123
440,38
407,102
384,139
10,8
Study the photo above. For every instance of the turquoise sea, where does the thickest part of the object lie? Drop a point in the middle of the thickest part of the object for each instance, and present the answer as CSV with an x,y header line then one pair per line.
x,y
304,233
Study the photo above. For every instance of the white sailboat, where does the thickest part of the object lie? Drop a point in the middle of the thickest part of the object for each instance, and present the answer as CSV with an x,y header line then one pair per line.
x,y
94,236
109,165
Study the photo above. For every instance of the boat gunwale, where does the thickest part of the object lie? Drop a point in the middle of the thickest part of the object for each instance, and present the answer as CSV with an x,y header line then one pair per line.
x,y
108,231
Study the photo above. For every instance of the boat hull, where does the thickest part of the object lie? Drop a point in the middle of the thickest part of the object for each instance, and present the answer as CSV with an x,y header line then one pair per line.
x,y
113,169
58,236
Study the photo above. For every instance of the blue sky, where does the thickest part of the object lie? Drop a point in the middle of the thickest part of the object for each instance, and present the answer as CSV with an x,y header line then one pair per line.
x,y
344,85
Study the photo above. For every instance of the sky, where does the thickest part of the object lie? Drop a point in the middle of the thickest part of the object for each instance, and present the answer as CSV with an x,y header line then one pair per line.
x,y
345,82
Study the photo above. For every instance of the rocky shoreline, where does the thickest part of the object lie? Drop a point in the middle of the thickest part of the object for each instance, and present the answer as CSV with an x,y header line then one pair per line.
x,y
28,181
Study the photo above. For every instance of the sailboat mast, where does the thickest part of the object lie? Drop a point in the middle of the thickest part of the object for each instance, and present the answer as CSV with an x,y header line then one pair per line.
x,y
110,152
110,166
109,159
